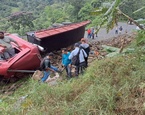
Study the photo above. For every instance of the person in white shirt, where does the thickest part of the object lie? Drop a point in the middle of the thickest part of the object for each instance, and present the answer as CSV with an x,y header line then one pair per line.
x,y
82,56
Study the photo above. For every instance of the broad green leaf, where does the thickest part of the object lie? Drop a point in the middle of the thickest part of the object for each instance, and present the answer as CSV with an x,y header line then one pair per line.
x,y
139,10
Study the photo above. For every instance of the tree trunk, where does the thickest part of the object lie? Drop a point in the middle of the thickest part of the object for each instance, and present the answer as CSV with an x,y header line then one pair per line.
x,y
136,23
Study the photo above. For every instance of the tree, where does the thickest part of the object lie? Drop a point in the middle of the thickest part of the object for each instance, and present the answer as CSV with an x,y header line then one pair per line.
x,y
54,13
97,3
84,13
112,14
129,6
77,4
21,20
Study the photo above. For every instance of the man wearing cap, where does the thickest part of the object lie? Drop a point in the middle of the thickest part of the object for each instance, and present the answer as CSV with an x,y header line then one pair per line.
x,y
82,55
5,42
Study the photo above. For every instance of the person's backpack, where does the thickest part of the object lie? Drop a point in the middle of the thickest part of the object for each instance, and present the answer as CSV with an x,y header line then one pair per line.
x,y
87,50
75,60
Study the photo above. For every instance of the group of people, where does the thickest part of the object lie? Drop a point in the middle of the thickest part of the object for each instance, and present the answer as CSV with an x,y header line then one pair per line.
x,y
91,33
77,57
118,30
7,50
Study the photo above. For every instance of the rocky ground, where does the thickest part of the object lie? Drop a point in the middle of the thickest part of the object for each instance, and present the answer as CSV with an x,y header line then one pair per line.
x,y
121,41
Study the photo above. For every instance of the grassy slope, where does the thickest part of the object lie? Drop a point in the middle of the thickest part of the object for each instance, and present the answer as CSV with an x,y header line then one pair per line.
x,y
110,86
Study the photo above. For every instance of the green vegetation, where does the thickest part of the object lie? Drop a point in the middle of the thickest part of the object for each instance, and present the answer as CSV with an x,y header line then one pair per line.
x,y
112,15
110,86
47,12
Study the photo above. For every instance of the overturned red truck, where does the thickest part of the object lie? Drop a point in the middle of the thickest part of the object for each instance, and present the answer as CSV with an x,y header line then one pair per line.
x,y
28,57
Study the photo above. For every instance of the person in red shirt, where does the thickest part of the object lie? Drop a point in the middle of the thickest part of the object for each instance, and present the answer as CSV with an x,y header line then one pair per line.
x,y
89,33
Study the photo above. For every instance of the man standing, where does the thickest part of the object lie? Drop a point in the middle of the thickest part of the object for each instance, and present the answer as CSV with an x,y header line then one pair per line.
x,y
5,42
47,67
86,48
92,33
81,56
116,30
66,62
89,33
120,29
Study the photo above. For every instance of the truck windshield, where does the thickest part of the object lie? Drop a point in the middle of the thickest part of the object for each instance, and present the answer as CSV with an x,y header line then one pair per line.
x,y
6,54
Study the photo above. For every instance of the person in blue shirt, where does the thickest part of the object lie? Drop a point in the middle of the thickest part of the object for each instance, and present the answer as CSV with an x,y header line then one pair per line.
x,y
66,62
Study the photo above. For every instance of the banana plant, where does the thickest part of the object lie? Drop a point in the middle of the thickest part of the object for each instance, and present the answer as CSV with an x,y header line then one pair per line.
x,y
142,8
111,15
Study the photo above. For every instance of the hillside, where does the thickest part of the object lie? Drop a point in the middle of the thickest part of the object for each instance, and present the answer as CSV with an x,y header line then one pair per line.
x,y
113,84
11,6
109,86
44,13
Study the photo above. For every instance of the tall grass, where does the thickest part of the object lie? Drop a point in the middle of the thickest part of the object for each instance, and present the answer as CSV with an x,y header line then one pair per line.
x,y
108,87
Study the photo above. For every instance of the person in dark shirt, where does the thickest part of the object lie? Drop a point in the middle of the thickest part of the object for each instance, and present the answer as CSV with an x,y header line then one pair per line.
x,y
48,67
92,33
84,45
120,29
